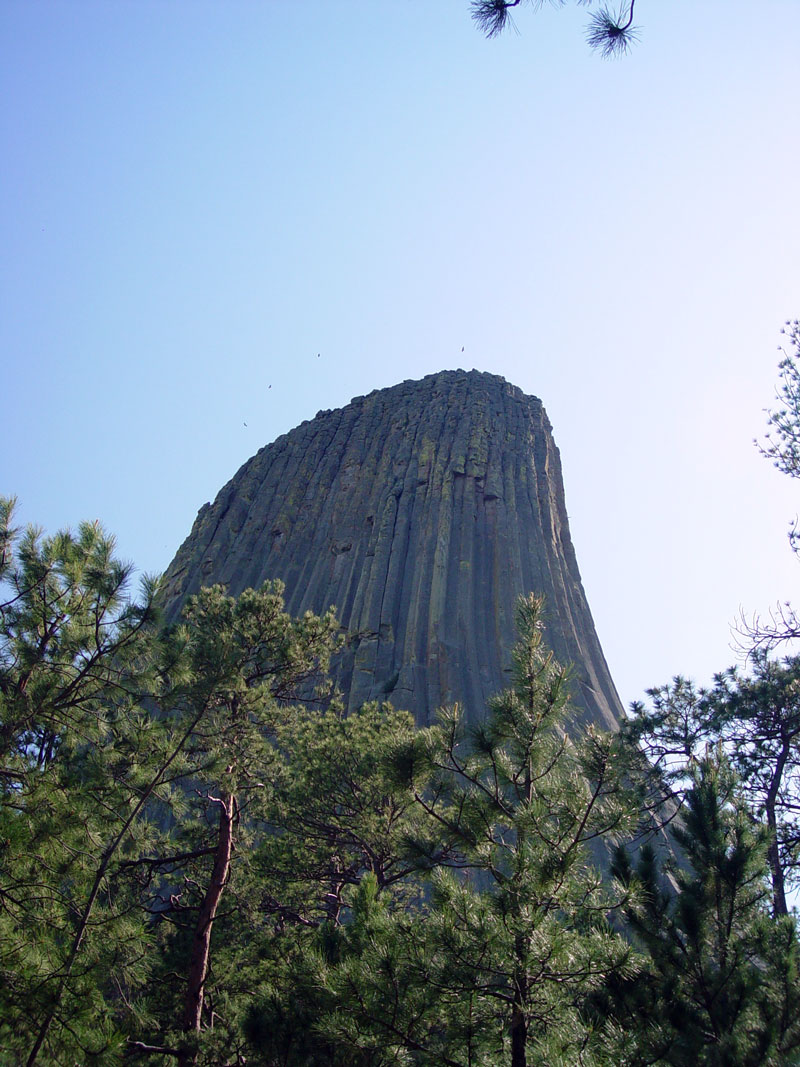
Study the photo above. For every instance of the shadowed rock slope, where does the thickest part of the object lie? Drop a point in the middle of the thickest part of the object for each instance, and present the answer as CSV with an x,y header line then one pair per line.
x,y
421,511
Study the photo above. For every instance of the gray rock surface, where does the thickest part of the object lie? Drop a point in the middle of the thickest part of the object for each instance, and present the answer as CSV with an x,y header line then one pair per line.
x,y
421,511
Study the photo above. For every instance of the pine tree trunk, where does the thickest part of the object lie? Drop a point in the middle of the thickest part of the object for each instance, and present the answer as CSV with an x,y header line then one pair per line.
x,y
779,903
519,1037
201,942
519,1024
773,853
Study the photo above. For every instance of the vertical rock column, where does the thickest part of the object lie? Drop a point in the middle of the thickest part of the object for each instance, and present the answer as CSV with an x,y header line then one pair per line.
x,y
422,512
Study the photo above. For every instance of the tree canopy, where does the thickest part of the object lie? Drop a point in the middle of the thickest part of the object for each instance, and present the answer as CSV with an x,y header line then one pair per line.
x,y
205,861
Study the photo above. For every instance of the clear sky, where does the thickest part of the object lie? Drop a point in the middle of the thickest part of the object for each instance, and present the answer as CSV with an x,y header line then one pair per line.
x,y
198,198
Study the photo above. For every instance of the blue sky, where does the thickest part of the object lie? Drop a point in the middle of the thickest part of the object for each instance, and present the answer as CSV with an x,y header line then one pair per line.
x,y
199,197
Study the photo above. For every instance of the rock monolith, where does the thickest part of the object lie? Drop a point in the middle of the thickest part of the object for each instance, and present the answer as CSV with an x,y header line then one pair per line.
x,y
421,512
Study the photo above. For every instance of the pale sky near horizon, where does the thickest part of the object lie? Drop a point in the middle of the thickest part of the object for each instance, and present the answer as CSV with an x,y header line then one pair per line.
x,y
199,197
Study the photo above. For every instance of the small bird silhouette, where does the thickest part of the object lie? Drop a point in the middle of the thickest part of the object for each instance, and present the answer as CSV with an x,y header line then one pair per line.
x,y
245,424
462,348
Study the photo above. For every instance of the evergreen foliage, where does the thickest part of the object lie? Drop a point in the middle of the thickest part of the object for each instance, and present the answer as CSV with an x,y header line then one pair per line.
x,y
755,720
495,969
205,861
237,658
81,760
719,982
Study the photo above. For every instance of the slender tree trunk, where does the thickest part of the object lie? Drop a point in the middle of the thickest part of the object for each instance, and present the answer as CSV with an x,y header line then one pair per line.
x,y
519,1024
779,905
75,949
519,1037
201,942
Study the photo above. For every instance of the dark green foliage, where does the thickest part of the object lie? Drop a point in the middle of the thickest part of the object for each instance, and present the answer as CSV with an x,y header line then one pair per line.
x,y
719,982
198,866
238,658
495,967
79,761
112,733
335,813
70,636
331,819
755,719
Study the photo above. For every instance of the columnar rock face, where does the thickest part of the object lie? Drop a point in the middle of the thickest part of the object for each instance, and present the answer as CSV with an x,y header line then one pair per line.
x,y
422,512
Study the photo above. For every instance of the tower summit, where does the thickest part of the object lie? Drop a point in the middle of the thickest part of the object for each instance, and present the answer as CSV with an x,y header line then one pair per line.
x,y
421,512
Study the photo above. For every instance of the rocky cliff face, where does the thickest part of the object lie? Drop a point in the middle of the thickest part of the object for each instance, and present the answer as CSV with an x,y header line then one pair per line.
x,y
421,511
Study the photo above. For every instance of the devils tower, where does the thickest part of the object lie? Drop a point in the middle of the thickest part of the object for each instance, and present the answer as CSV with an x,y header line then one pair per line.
x,y
421,512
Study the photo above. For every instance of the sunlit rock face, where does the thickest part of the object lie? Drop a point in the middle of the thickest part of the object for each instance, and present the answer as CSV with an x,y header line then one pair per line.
x,y
422,512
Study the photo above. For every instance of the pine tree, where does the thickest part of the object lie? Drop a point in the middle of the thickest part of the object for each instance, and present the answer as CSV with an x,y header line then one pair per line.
x,y
495,968
243,658
129,761
719,986
336,821
81,760
334,812
755,719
